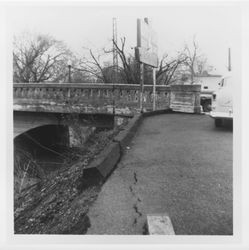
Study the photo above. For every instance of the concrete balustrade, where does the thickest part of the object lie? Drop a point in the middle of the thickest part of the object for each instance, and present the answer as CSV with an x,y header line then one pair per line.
x,y
101,98
88,98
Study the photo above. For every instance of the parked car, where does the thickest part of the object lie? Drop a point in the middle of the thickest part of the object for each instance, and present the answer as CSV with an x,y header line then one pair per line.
x,y
222,104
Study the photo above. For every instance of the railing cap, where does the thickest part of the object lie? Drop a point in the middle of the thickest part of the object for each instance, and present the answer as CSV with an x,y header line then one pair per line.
x,y
86,85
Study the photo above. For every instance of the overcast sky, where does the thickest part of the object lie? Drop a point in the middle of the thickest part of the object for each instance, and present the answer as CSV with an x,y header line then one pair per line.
x,y
216,27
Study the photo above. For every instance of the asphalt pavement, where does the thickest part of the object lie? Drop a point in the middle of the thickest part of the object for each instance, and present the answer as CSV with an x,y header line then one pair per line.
x,y
178,164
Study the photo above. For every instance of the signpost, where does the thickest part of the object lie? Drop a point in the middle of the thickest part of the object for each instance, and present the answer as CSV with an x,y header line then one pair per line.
x,y
146,53
154,89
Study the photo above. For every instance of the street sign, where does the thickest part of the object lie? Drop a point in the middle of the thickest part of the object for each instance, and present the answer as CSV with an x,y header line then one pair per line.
x,y
146,50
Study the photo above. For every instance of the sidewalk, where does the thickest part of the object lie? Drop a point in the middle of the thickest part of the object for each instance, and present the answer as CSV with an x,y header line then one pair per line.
x,y
178,164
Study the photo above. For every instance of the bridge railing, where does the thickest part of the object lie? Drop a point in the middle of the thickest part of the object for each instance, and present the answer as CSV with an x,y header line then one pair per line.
x,y
89,98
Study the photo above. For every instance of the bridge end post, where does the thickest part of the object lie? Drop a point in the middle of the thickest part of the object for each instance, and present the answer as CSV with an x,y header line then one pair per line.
x,y
185,98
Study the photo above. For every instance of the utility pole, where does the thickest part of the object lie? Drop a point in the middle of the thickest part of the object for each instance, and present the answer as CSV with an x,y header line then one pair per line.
x,y
115,60
229,60
115,54
141,67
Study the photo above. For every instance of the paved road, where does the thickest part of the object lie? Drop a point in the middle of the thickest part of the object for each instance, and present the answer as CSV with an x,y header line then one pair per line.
x,y
179,164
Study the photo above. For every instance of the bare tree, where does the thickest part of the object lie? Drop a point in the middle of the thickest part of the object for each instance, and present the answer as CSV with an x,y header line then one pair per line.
x,y
196,62
191,55
166,73
38,58
129,65
94,63
202,66
78,76
91,64
128,70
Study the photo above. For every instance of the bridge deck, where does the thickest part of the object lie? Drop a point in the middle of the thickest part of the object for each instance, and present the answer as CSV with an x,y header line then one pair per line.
x,y
178,164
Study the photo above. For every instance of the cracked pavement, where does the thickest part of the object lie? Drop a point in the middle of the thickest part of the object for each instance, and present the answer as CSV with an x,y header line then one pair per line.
x,y
178,164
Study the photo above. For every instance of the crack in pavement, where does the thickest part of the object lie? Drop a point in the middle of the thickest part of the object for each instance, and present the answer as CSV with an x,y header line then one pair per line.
x,y
136,210
135,205
135,178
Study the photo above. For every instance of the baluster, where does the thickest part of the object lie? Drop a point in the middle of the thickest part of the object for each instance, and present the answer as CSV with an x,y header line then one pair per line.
x,y
33,92
47,93
16,92
20,90
132,96
24,92
61,94
86,93
36,93
128,95
50,93
135,97
55,93
68,92
81,94
73,94
43,92
40,93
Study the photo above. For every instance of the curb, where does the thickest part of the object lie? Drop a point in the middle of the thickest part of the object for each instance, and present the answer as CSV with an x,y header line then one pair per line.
x,y
103,165
107,161
124,137
157,112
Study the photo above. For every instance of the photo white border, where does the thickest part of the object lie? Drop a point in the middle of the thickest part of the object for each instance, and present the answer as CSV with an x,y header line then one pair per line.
x,y
238,241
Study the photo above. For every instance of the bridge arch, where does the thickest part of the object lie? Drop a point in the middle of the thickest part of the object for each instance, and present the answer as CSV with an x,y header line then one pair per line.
x,y
26,120
43,136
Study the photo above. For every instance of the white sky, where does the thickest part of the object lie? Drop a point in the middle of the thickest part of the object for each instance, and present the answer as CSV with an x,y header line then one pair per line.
x,y
216,27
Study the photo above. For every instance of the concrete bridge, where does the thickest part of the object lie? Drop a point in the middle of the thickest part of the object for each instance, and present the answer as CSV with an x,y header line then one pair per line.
x,y
39,104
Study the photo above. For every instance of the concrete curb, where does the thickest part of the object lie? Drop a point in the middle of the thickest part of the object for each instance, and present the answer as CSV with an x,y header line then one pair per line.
x,y
107,161
124,137
157,112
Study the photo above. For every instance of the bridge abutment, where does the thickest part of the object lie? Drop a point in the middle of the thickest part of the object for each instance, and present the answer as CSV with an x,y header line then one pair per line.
x,y
78,135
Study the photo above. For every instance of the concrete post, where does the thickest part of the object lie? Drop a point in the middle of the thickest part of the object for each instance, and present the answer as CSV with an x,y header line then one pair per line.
x,y
185,98
154,89
141,85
